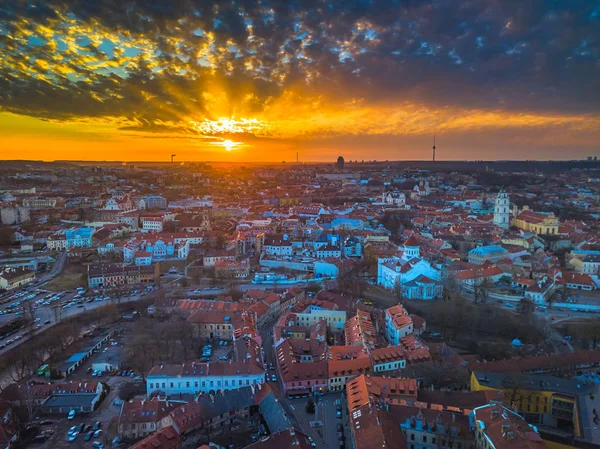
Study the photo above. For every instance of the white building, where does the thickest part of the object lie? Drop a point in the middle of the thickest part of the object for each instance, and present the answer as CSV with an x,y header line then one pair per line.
x,y
398,324
277,246
39,203
397,199
417,278
14,215
193,378
152,224
313,314
501,210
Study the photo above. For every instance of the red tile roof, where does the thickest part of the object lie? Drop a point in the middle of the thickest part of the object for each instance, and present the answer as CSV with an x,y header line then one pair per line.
x,y
165,438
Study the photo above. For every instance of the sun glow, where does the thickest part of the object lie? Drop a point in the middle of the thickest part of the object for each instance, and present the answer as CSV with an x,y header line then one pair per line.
x,y
225,125
228,145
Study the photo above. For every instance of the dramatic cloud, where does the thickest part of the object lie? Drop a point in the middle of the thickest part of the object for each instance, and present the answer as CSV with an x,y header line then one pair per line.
x,y
306,70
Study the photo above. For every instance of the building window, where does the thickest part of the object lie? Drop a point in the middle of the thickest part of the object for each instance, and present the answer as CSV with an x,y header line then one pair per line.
x,y
412,437
424,438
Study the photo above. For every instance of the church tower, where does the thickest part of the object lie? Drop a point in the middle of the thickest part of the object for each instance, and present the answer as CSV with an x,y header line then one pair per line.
x,y
411,247
501,210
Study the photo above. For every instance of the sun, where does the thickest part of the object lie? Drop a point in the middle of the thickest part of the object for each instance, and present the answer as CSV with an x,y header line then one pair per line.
x,y
229,144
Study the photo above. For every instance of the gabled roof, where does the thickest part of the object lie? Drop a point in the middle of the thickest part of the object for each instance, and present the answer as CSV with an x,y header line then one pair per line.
x,y
166,438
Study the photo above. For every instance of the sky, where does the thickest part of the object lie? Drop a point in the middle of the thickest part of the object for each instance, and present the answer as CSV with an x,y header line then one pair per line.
x,y
260,80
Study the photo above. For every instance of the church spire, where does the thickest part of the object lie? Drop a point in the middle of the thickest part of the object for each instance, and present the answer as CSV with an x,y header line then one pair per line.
x,y
434,148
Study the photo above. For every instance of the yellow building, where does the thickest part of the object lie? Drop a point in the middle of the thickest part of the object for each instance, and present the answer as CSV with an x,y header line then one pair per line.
x,y
518,241
289,201
543,224
542,400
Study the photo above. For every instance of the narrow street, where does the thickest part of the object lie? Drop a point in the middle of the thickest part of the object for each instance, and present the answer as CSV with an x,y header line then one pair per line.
x,y
325,436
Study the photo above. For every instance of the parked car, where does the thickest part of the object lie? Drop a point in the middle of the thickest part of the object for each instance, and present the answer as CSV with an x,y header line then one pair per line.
x,y
72,430
99,445
97,433
97,425
88,436
73,436
71,415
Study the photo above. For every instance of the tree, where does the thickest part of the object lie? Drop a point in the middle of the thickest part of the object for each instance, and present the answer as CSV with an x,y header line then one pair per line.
x,y
235,292
29,314
512,383
21,407
442,374
481,290
398,292
310,406
6,234
129,390
525,306
57,312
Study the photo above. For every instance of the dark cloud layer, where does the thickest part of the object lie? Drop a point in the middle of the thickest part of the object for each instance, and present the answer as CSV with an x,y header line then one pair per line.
x,y
512,55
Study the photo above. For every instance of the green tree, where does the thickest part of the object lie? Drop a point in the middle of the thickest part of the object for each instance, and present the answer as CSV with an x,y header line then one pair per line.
x,y
310,406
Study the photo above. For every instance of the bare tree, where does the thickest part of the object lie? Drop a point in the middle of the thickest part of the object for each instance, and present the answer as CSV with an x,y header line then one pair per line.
x,y
57,312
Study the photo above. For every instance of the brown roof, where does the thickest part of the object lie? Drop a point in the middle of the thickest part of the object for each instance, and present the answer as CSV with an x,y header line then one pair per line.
x,y
165,438
540,363
506,429
374,429
411,241
285,439
385,389
143,411
465,400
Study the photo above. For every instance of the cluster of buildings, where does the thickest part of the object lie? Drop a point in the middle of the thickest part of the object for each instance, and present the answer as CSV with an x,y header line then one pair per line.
x,y
412,229
413,232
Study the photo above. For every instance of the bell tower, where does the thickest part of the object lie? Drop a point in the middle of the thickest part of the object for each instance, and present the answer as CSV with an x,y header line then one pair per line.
x,y
501,210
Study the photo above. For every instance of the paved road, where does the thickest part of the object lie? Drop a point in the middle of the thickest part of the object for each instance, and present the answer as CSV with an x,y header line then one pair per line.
x,y
324,437
57,268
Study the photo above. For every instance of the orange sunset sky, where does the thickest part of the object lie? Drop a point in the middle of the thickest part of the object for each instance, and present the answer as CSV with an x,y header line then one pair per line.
x,y
264,80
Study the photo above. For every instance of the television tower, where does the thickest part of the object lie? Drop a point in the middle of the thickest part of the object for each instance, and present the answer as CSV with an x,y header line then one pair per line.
x,y
434,148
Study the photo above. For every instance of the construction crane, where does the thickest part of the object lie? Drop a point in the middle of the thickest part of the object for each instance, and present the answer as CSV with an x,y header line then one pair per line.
x,y
172,156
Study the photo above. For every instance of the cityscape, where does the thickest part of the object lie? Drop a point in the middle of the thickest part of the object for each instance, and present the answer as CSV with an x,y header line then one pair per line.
x,y
282,224
336,305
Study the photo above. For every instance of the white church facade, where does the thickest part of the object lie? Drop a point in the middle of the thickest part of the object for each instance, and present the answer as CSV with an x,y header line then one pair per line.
x,y
417,278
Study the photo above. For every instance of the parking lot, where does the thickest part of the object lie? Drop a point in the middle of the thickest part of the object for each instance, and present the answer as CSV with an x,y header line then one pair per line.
x,y
106,414
219,351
